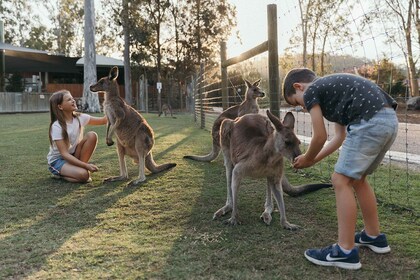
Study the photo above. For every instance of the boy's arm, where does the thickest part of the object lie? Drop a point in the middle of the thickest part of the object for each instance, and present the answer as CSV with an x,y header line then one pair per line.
x,y
317,142
334,144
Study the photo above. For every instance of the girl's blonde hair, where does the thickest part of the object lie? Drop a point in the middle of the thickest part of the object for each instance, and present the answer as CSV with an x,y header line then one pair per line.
x,y
57,115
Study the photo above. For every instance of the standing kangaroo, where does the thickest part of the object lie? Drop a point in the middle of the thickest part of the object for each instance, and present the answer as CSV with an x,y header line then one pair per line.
x,y
252,147
249,106
134,135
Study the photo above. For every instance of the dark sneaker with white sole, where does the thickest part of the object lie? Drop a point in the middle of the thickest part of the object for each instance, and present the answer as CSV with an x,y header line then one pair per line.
x,y
333,256
378,245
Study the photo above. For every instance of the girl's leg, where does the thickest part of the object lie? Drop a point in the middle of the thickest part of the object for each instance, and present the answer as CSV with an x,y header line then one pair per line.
x,y
346,209
87,146
74,173
367,201
83,152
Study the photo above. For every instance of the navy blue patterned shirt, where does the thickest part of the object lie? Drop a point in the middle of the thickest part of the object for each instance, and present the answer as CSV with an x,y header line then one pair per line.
x,y
346,98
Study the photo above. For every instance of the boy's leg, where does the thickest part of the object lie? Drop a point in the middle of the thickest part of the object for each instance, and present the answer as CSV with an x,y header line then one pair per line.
x,y
346,209
367,201
337,255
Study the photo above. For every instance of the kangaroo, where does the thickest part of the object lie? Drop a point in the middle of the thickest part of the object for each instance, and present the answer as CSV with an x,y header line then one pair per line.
x,y
252,147
134,135
248,106
166,109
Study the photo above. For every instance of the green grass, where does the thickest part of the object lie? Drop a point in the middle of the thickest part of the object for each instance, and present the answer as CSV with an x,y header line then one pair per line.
x,y
163,229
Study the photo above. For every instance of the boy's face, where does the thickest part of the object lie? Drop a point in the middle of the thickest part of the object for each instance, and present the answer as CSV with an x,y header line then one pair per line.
x,y
297,98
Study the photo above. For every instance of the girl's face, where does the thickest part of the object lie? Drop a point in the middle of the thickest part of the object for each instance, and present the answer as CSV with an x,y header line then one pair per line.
x,y
68,104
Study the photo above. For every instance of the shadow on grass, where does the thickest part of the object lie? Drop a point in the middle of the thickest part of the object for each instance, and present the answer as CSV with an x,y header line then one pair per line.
x,y
69,211
208,249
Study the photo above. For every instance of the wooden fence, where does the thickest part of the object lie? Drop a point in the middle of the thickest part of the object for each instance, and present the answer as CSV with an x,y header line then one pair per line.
x,y
19,102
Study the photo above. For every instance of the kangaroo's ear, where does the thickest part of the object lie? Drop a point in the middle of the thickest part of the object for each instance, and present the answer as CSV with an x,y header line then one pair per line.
x,y
276,121
113,73
248,84
257,83
289,120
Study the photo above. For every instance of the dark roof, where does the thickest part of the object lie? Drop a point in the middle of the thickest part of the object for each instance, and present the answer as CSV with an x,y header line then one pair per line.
x,y
19,61
8,47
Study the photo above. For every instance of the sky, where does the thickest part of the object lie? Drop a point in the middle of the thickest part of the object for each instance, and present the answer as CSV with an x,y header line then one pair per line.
x,y
252,23
252,26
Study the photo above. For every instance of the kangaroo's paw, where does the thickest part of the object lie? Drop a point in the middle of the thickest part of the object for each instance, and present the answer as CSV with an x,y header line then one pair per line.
x,y
109,142
136,182
115,178
289,226
222,211
266,218
233,221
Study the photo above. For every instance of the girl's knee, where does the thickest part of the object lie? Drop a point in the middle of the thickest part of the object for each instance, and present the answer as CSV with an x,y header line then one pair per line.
x,y
83,176
92,136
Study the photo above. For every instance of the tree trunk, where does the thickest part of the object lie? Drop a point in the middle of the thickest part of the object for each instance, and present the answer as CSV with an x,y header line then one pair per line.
x,y
90,99
127,69
304,21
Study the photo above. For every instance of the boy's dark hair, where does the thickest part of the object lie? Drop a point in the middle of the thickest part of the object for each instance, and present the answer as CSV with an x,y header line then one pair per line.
x,y
297,75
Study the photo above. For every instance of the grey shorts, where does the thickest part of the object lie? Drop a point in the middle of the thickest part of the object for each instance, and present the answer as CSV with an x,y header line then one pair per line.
x,y
366,144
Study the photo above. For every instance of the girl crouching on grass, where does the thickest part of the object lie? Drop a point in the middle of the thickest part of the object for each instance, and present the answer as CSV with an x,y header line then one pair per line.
x,y
70,152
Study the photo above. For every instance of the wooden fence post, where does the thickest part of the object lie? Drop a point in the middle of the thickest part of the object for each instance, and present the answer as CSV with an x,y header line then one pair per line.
x,y
200,92
225,91
273,60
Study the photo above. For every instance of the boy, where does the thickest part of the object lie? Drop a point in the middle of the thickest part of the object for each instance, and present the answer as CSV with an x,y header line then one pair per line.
x,y
366,124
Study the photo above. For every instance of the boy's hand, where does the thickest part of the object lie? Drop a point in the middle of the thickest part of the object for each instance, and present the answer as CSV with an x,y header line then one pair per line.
x,y
302,162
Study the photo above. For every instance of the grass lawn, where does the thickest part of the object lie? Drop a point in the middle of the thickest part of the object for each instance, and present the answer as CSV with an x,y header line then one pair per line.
x,y
163,229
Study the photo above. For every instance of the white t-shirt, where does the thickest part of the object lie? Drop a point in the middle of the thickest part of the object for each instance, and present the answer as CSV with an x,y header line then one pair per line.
x,y
75,135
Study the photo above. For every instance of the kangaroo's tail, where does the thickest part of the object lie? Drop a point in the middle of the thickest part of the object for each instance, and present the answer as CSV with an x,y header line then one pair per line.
x,y
209,157
154,168
226,132
302,189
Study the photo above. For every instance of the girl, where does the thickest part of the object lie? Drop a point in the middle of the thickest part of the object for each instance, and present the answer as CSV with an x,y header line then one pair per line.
x,y
70,152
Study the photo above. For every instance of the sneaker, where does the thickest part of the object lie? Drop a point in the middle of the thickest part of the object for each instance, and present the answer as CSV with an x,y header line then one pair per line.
x,y
333,256
378,245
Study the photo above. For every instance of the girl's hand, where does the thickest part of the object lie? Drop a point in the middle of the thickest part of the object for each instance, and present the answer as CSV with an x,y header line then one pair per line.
x,y
91,167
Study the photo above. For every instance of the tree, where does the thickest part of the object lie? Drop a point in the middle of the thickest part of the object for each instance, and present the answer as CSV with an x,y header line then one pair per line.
x,y
15,83
125,19
90,99
404,15
18,20
39,38
66,18
386,75
305,8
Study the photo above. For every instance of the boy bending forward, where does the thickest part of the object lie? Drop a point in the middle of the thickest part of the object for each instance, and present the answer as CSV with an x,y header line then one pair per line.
x,y
366,125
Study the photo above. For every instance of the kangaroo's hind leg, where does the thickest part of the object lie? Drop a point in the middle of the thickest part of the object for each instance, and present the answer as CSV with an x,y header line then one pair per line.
x,y
228,206
142,152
